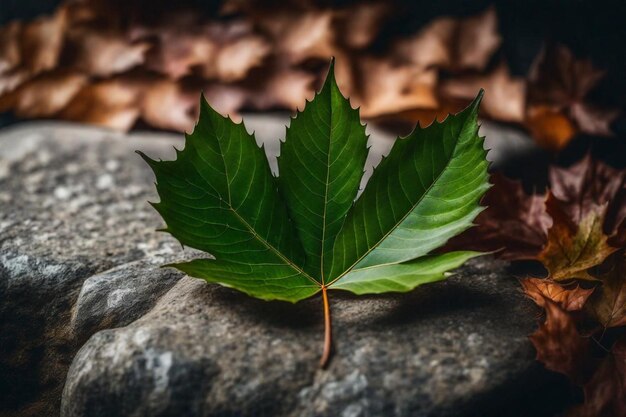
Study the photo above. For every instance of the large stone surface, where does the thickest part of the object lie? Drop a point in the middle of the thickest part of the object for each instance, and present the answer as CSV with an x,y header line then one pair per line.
x,y
448,349
72,204
79,254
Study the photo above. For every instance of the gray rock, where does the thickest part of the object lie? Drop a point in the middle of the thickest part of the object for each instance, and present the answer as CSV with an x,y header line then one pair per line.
x,y
72,204
209,351
79,254
121,295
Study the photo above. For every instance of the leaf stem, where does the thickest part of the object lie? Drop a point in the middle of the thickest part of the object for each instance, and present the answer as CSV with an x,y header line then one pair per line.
x,y
328,338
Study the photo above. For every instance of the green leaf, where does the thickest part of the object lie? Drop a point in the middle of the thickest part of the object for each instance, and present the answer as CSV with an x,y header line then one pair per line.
x,y
272,281
219,196
402,277
321,166
425,192
291,237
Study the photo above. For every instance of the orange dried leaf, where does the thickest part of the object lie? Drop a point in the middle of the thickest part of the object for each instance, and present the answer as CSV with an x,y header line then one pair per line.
x,y
569,299
44,95
111,103
550,128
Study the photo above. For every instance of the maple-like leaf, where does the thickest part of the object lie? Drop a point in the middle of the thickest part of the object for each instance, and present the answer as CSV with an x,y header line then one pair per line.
x,y
568,298
573,248
559,345
605,392
291,237
588,185
587,208
608,305
514,222
559,85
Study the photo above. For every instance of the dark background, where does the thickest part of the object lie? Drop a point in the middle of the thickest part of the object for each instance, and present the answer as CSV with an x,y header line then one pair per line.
x,y
591,29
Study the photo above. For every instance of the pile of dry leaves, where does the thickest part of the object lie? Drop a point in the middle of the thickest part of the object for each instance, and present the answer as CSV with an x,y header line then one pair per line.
x,y
577,230
90,62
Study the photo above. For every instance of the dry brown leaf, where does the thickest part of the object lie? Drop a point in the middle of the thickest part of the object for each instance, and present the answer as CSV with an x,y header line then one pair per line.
x,y
226,99
605,393
44,95
215,51
392,88
513,221
235,59
41,41
13,79
105,53
588,184
592,119
453,44
280,88
505,95
558,78
559,345
430,47
476,41
10,54
569,299
112,103
360,24
585,214
559,84
301,35
166,105
573,248
179,49
608,305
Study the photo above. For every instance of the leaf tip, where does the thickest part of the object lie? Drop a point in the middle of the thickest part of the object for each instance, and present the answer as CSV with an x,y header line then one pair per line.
x,y
479,97
145,157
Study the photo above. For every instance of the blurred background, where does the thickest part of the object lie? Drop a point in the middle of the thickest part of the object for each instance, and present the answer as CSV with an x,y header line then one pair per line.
x,y
553,69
